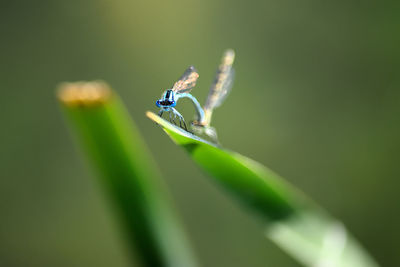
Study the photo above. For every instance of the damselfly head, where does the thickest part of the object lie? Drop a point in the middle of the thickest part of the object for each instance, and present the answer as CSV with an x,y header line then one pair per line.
x,y
167,99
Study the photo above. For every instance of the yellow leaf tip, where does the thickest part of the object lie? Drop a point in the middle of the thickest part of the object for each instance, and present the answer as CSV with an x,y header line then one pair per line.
x,y
84,93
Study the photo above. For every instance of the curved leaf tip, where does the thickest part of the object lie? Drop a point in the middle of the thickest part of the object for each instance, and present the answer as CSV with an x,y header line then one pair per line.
x,y
177,134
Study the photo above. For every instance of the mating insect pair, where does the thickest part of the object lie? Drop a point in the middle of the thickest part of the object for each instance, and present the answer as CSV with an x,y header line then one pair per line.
x,y
218,91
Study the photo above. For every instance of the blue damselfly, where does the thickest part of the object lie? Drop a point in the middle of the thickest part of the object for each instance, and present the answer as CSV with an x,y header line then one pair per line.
x,y
180,89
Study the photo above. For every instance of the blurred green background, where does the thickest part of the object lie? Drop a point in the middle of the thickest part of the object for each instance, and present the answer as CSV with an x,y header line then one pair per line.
x,y
316,98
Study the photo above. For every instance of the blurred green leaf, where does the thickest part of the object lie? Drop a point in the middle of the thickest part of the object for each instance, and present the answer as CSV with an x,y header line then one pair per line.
x,y
108,136
294,222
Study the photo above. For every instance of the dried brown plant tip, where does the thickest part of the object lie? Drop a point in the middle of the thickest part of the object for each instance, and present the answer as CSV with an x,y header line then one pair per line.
x,y
84,93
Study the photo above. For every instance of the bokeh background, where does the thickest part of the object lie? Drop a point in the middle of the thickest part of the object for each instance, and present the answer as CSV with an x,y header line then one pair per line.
x,y
316,98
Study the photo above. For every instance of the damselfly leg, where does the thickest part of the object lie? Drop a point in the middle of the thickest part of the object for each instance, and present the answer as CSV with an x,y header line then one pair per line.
x,y
180,117
172,119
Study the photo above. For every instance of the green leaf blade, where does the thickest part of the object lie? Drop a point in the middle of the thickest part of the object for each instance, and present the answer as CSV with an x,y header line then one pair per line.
x,y
110,140
294,223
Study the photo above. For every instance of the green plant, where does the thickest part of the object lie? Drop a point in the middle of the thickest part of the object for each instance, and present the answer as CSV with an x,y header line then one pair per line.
x,y
110,139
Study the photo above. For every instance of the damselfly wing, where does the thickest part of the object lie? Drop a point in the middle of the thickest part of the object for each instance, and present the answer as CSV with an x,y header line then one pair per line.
x,y
221,86
187,81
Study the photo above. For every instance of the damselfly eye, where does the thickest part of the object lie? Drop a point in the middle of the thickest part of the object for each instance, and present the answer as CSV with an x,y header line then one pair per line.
x,y
158,103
